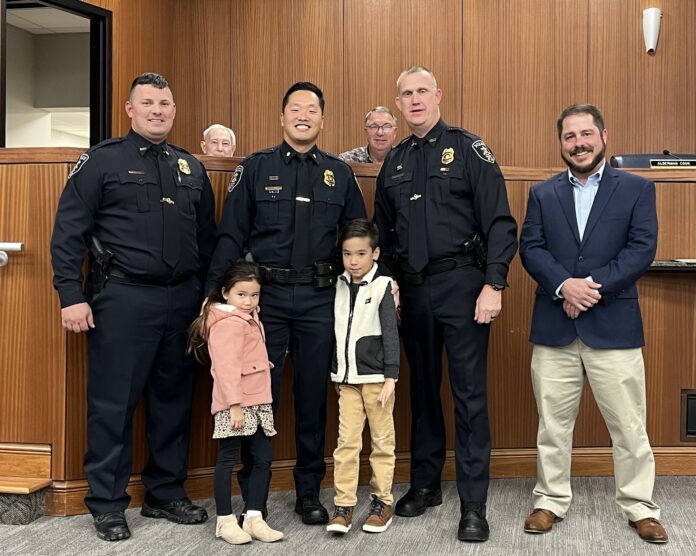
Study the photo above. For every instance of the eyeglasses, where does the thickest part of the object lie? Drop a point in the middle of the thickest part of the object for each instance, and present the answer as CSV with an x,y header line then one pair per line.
x,y
386,128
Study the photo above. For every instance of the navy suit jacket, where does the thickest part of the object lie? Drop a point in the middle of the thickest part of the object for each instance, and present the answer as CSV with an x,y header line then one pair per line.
x,y
617,247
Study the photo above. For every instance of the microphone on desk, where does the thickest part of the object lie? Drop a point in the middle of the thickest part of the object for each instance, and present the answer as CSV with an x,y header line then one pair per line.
x,y
667,152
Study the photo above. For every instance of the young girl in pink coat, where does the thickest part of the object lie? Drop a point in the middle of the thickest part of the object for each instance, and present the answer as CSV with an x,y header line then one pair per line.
x,y
229,324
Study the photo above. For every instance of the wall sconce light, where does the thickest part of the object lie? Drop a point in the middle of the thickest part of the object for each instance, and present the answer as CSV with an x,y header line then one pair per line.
x,y
651,28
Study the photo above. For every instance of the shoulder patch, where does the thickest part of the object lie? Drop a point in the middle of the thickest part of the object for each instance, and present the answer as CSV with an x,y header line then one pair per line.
x,y
483,152
236,177
84,157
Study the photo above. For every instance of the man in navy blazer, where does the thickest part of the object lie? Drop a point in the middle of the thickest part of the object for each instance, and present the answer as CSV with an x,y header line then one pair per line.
x,y
589,234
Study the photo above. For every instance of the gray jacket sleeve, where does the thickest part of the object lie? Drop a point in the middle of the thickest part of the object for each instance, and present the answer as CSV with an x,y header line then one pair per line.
x,y
390,334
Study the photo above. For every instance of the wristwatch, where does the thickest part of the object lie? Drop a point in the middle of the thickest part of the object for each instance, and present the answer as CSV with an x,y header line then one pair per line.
x,y
497,287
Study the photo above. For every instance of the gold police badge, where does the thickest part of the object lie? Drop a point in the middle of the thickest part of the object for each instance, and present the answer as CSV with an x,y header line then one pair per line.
x,y
329,178
183,166
447,155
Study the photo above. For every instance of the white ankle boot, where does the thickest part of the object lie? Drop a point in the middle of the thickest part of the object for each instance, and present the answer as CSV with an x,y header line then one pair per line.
x,y
259,529
229,530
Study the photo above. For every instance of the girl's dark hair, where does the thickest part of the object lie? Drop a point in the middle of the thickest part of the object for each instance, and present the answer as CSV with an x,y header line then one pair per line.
x,y
240,271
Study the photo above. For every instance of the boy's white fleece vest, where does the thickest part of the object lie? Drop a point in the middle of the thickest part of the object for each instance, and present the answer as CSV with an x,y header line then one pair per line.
x,y
365,322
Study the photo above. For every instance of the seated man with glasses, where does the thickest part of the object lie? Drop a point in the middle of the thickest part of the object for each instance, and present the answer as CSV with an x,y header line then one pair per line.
x,y
380,128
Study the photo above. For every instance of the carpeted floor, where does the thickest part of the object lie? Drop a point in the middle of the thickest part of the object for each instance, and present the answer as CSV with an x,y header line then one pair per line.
x,y
594,526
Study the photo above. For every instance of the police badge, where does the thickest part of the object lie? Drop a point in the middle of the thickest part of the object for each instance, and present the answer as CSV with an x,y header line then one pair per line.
x,y
238,171
183,166
483,152
329,178
447,155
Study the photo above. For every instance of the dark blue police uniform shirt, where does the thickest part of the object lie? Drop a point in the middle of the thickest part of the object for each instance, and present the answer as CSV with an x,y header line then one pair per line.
x,y
114,194
465,195
259,213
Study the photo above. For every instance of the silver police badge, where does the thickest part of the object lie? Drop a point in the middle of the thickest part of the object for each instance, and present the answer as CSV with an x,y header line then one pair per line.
x,y
236,177
483,152
78,166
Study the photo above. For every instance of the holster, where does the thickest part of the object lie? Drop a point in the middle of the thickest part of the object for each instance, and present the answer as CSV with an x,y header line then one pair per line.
x,y
100,263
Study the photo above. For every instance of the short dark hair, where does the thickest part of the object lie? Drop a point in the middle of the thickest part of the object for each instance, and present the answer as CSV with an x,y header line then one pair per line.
x,y
575,109
304,86
361,227
155,79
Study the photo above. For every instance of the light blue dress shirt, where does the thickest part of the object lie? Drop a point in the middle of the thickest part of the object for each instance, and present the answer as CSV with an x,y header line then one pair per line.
x,y
584,195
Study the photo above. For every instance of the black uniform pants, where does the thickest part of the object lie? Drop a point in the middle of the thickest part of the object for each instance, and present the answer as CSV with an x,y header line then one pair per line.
x,y
138,347
441,311
260,452
300,318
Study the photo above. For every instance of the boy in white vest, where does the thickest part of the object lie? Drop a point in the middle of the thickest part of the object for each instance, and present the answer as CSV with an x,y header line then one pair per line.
x,y
365,370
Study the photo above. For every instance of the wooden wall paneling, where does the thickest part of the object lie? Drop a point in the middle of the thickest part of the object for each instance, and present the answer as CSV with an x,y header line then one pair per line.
x,y
143,37
523,63
32,405
275,44
384,38
649,102
201,74
676,209
668,303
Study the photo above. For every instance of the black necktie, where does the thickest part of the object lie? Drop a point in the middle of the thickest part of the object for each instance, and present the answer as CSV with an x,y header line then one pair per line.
x,y
417,230
171,240
303,215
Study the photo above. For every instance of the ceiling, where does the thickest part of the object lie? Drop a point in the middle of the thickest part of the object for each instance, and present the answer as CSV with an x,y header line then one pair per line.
x,y
44,21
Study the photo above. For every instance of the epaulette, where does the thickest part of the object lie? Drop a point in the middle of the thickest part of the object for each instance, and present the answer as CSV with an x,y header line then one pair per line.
x,y
106,142
405,140
464,132
178,148
333,156
268,150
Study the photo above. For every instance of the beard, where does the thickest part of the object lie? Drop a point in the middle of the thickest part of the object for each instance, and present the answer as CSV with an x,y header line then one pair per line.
x,y
585,168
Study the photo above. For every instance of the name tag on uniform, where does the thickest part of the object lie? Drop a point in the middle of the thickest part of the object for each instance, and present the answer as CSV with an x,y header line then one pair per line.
x,y
137,172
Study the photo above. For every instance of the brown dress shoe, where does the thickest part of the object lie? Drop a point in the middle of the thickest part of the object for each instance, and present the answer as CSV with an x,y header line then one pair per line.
x,y
540,521
650,530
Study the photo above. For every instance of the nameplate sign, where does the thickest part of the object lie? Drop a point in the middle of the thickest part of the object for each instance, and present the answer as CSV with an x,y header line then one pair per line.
x,y
671,163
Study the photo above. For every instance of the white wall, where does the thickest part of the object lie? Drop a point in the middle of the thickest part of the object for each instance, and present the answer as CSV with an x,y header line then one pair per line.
x,y
28,126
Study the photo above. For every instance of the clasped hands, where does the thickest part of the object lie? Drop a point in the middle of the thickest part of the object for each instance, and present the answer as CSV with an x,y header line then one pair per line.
x,y
579,295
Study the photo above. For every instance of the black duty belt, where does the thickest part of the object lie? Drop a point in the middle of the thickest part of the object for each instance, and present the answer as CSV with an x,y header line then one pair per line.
x,y
435,266
116,273
321,274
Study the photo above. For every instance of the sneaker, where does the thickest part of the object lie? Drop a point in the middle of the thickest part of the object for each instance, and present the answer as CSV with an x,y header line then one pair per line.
x,y
229,530
258,529
380,516
341,522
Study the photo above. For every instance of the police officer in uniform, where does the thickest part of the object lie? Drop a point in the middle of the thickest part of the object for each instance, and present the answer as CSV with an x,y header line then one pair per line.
x,y
446,230
283,209
146,210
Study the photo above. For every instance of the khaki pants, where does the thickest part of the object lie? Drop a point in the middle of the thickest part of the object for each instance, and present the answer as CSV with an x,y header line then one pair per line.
x,y
355,402
617,378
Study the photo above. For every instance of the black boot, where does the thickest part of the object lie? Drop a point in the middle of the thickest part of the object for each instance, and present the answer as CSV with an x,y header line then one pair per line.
x,y
473,526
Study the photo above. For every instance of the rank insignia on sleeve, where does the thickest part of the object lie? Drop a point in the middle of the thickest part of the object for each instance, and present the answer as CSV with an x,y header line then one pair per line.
x,y
236,177
448,155
483,152
183,166
329,178
78,166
